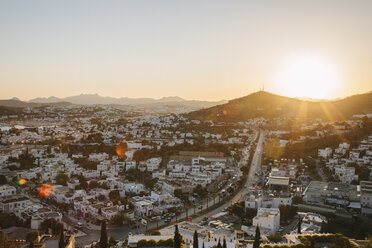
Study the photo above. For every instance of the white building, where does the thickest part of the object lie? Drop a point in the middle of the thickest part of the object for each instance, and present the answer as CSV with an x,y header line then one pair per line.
x,y
267,202
134,187
366,196
345,174
12,203
312,223
325,153
6,190
143,207
268,219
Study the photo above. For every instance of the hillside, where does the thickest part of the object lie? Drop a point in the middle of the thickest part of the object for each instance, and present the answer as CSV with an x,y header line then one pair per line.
x,y
12,103
267,105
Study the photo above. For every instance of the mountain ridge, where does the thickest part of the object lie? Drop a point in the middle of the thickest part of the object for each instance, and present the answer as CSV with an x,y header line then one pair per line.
x,y
15,103
91,99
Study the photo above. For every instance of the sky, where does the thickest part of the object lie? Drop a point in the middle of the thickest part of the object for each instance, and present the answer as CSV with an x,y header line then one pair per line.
x,y
207,50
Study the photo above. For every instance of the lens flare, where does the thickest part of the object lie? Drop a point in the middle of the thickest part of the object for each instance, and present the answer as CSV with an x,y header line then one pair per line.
x,y
121,149
22,181
46,190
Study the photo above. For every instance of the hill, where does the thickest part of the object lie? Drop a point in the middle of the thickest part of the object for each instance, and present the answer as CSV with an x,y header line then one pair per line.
x,y
89,99
268,105
14,103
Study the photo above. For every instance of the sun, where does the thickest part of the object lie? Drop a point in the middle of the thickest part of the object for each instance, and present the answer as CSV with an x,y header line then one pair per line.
x,y
308,75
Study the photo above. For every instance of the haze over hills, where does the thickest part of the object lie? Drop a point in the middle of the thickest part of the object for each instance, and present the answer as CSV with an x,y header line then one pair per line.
x,y
268,105
16,103
89,99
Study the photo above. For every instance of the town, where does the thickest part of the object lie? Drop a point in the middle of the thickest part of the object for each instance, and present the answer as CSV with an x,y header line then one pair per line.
x,y
145,178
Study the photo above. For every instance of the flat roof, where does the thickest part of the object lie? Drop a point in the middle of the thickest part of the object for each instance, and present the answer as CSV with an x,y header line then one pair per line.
x,y
279,181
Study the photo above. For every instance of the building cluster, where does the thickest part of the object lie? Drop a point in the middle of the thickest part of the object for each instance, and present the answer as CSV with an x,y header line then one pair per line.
x,y
74,151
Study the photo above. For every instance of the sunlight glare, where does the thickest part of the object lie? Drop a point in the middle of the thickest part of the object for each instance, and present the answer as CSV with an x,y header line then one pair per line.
x,y
308,75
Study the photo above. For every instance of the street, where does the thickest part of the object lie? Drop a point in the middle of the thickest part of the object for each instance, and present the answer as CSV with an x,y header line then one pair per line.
x,y
120,233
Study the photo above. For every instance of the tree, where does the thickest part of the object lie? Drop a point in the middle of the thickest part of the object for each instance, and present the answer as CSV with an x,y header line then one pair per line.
x,y
299,227
257,237
112,241
32,236
196,240
3,180
3,240
224,245
103,240
177,238
61,179
219,244
119,219
61,241
114,195
287,212
58,228
275,238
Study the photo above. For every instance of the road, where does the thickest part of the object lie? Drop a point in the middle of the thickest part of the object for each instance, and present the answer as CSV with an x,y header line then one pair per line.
x,y
251,179
122,232
255,167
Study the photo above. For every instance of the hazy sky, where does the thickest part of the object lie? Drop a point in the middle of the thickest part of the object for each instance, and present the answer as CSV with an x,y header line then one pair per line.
x,y
208,50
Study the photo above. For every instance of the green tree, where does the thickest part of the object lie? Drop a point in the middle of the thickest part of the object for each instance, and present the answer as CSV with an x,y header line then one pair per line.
x,y
3,240
275,238
299,226
112,241
32,236
61,179
257,238
114,195
196,240
177,238
119,219
3,180
104,239
219,244
61,241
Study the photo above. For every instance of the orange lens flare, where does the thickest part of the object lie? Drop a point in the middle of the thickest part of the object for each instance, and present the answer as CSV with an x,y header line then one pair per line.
x,y
121,149
46,190
22,181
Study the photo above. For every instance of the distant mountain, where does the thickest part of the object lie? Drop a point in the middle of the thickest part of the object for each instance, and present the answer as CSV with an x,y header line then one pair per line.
x,y
90,99
264,104
15,103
